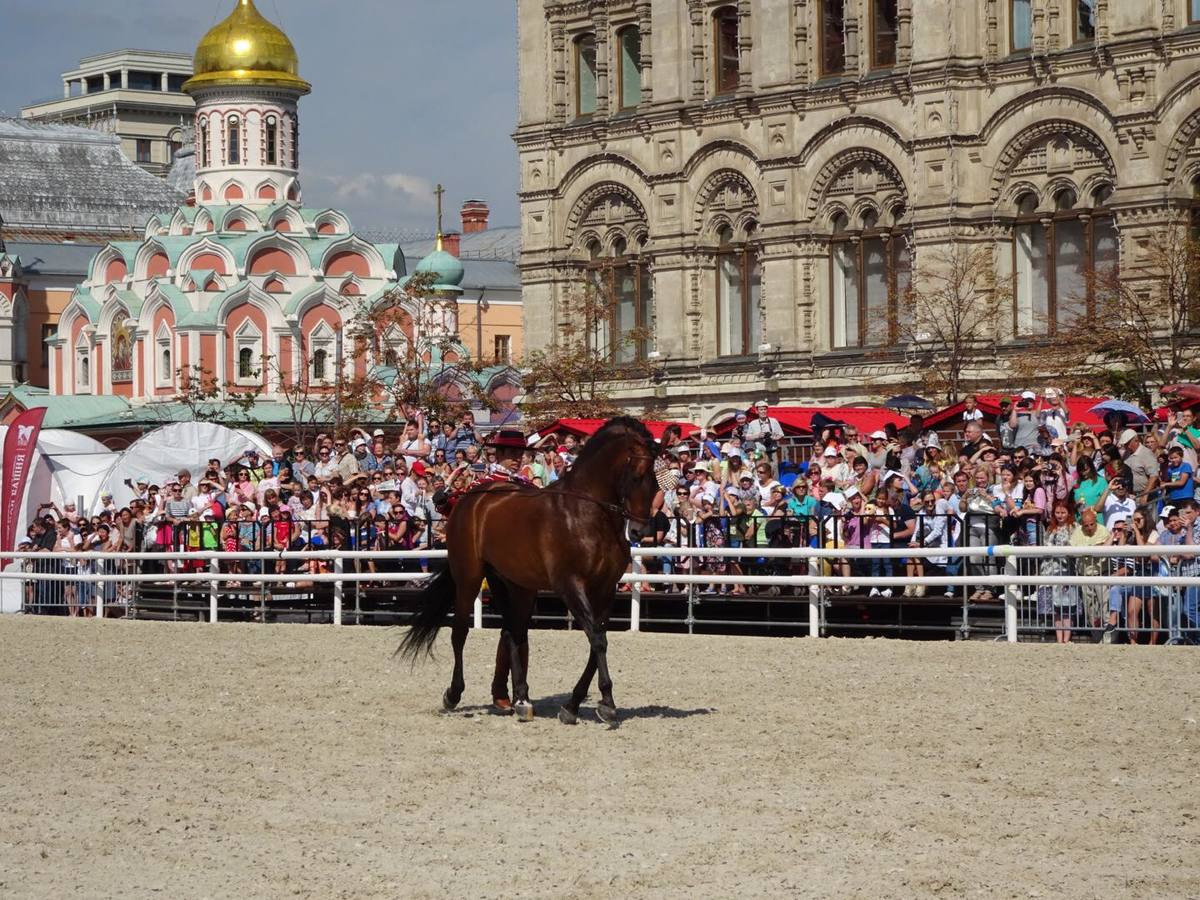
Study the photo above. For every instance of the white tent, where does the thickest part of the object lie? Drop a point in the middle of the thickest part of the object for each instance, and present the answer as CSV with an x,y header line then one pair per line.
x,y
162,453
66,466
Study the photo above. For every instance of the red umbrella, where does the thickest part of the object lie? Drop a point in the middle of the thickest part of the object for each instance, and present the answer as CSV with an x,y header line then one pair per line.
x,y
1183,391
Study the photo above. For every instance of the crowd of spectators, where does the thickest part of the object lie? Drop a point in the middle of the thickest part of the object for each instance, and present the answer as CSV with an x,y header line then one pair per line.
x,y
1029,476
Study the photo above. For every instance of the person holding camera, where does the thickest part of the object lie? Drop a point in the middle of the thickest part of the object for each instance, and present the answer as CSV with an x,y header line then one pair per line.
x,y
764,431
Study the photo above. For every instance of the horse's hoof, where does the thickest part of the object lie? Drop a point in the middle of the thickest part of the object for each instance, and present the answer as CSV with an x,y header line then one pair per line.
x,y
607,714
524,710
566,716
449,704
502,707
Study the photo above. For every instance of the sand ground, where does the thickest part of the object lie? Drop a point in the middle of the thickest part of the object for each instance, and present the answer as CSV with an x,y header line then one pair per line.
x,y
171,760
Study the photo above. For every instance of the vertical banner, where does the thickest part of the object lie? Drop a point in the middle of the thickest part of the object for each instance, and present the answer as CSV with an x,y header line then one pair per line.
x,y
19,445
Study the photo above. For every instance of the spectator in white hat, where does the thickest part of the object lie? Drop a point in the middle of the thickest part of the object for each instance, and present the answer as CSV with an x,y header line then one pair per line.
x,y
1143,464
764,432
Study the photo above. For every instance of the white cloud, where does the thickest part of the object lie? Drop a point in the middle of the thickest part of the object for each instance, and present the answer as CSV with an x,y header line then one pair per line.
x,y
412,191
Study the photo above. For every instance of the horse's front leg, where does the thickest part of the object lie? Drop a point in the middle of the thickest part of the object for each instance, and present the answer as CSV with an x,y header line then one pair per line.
x,y
568,713
607,707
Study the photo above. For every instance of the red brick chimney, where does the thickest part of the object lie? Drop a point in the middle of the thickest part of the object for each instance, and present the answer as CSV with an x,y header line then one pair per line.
x,y
452,243
475,216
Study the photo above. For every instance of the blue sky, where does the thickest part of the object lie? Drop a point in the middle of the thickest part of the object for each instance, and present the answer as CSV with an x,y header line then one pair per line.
x,y
405,93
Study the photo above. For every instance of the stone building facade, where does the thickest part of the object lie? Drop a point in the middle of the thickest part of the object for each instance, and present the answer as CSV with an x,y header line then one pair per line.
x,y
763,173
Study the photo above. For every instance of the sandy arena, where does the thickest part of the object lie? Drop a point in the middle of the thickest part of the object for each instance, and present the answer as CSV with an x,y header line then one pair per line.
x,y
180,761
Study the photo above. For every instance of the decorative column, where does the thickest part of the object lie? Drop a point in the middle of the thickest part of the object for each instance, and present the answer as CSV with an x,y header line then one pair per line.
x,y
696,15
600,22
745,47
646,59
904,37
800,67
558,38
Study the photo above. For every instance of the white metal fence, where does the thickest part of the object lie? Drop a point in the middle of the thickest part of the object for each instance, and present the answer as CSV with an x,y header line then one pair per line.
x,y
1162,597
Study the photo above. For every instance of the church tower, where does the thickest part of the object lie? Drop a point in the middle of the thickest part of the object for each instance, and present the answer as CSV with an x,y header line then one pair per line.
x,y
247,87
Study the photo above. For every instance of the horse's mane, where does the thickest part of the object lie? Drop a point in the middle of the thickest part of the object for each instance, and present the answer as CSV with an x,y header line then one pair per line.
x,y
612,429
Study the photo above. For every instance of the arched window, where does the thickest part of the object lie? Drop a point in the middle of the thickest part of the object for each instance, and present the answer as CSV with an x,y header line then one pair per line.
x,y
246,363
165,371
204,145
725,49
624,294
272,141
233,152
885,28
247,350
869,276
833,36
83,365
1058,257
320,345
739,296
630,71
1085,21
390,358
1020,25
585,75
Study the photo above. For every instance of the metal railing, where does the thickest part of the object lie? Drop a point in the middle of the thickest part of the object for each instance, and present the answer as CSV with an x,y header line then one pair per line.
x,y
801,591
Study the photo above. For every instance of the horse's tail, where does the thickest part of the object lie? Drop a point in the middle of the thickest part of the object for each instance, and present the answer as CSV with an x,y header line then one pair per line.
x,y
436,600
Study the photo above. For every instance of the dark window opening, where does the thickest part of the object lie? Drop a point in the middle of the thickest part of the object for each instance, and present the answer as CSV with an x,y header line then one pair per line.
x,y
725,30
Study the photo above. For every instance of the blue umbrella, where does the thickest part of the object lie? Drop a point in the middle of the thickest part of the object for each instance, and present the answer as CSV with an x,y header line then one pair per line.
x,y
1120,406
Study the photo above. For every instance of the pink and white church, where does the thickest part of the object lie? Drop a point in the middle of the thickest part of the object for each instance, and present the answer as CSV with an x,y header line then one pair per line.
x,y
244,270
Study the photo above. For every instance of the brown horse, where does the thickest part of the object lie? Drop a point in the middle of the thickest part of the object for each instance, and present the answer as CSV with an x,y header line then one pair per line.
x,y
568,538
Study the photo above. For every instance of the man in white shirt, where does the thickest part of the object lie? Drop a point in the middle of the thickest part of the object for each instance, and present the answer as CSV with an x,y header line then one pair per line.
x,y
764,431
1054,416
1119,506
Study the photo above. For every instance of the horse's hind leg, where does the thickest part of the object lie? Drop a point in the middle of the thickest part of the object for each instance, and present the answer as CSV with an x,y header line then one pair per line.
x,y
463,604
518,610
458,640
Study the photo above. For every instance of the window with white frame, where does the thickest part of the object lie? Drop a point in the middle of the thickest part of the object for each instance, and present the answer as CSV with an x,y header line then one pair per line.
x,y
271,140
164,368
320,354
83,365
233,152
247,355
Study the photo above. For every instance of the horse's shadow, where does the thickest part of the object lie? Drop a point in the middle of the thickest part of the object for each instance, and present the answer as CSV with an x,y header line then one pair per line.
x,y
547,708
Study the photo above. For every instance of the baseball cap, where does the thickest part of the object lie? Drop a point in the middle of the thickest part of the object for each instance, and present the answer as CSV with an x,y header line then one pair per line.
x,y
377,433
1028,395
1167,512
879,435
830,451
762,404
851,492
1126,436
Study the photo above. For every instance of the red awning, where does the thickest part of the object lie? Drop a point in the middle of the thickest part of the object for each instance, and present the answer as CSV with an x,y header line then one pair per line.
x,y
989,404
582,428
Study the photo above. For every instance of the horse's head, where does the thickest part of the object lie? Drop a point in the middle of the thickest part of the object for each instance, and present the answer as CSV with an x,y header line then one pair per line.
x,y
639,487
621,456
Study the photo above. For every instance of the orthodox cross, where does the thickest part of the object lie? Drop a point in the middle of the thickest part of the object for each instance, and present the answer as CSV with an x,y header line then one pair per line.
x,y
439,192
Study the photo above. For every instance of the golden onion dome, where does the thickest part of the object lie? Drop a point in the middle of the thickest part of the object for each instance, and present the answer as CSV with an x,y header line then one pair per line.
x,y
246,49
